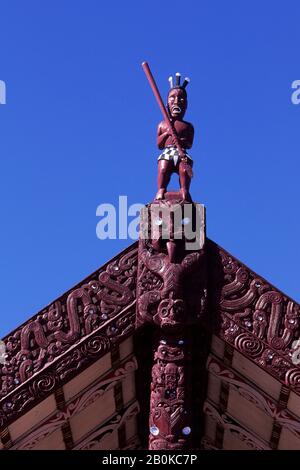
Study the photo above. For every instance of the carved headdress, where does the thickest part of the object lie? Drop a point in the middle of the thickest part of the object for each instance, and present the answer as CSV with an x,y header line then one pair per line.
x,y
177,82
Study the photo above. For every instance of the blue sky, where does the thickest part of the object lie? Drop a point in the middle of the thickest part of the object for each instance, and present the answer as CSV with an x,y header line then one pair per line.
x,y
79,129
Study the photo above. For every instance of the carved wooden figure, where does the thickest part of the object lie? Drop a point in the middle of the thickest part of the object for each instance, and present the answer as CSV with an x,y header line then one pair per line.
x,y
174,137
169,161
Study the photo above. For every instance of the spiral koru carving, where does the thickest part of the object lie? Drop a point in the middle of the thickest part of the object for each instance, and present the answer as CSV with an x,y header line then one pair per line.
x,y
43,385
76,314
259,320
292,379
249,345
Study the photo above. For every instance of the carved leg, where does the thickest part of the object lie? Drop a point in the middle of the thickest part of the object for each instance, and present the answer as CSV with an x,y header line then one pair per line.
x,y
185,172
163,177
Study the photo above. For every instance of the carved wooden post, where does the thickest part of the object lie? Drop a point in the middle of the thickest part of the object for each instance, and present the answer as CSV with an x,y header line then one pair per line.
x,y
171,293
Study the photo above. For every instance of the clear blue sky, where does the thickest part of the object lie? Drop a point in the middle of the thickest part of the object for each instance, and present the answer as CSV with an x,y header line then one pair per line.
x,y
79,129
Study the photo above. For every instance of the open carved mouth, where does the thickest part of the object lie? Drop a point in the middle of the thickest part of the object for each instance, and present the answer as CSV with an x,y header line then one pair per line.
x,y
176,109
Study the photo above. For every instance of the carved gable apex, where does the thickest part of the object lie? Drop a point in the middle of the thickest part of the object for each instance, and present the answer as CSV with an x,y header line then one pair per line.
x,y
66,337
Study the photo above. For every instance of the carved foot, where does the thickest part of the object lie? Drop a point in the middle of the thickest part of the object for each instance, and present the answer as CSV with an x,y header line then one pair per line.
x,y
160,194
185,195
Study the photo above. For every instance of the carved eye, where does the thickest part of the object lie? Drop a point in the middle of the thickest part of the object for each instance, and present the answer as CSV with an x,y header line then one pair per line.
x,y
170,393
164,312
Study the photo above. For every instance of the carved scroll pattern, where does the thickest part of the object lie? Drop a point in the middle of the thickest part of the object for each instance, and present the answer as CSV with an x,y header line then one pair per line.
x,y
233,428
75,315
258,320
76,405
269,406
96,439
62,369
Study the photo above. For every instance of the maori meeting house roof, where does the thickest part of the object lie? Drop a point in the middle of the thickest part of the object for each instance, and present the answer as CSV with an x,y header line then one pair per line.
x,y
78,373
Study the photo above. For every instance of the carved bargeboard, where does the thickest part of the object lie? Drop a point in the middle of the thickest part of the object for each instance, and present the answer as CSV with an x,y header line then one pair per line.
x,y
257,319
73,316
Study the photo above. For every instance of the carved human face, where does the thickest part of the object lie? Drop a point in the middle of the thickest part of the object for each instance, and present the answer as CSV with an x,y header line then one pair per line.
x,y
171,376
177,103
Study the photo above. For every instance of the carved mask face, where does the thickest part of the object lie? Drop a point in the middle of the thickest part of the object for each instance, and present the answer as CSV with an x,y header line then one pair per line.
x,y
170,313
177,103
171,376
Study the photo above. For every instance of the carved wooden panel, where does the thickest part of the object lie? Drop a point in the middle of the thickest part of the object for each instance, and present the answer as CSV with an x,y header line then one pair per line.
x,y
171,294
68,335
256,318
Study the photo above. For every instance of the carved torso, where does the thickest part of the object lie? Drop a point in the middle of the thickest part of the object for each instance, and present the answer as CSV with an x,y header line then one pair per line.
x,y
184,130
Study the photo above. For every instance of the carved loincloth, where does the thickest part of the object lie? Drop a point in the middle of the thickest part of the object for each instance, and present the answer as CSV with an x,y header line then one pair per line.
x,y
171,153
